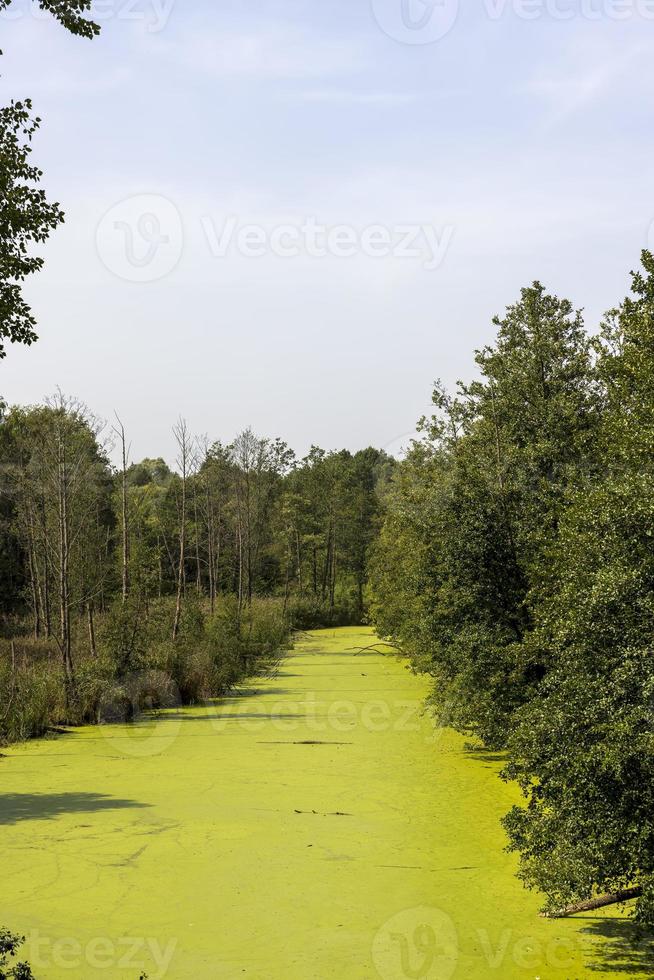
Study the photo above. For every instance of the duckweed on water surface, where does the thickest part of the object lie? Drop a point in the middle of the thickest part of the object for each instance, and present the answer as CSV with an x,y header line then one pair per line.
x,y
313,824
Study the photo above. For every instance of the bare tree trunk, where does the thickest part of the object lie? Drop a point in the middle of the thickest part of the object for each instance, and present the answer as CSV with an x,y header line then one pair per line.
x,y
159,567
611,898
89,611
210,545
64,556
182,437
240,567
34,587
124,518
46,571
299,560
217,554
198,566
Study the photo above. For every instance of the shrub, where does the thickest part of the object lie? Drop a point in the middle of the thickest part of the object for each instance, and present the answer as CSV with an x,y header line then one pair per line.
x,y
137,666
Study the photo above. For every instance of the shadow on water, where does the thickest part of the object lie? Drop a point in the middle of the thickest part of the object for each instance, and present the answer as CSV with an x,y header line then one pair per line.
x,y
217,716
15,807
489,756
625,950
250,692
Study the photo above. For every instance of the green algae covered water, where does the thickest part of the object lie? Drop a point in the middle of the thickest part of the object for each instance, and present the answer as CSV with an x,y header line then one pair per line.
x,y
313,825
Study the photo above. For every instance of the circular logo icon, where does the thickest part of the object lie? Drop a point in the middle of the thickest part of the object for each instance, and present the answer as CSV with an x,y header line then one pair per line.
x,y
416,943
416,21
141,238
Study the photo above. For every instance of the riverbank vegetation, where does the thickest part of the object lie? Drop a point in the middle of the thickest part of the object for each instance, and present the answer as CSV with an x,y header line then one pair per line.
x,y
139,585
516,565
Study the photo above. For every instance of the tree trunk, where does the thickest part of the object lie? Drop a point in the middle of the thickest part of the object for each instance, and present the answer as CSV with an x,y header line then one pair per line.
x,y
89,612
125,527
611,898
182,437
34,586
46,572
64,585
299,560
198,566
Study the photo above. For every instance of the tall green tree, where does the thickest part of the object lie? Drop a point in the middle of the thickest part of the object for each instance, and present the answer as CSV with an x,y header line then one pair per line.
x,y
583,748
477,502
27,218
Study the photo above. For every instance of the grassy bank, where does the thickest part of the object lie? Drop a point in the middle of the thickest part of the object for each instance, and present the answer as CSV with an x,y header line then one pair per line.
x,y
129,663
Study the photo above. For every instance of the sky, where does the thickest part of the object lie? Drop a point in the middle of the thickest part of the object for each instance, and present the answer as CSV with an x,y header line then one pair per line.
x,y
297,216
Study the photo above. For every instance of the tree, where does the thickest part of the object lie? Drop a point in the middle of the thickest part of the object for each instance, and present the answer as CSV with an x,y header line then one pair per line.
x,y
582,750
478,501
9,946
69,13
62,498
26,216
185,463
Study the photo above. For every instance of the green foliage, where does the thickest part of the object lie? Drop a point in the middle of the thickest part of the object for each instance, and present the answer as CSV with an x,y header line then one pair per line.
x,y
309,613
32,697
516,565
9,945
583,749
69,13
475,504
210,655
26,216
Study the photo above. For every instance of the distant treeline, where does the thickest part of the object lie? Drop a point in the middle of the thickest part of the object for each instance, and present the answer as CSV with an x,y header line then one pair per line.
x,y
191,574
516,564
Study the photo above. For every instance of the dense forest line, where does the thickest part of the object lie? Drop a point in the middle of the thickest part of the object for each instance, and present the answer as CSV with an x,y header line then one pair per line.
x,y
142,584
516,564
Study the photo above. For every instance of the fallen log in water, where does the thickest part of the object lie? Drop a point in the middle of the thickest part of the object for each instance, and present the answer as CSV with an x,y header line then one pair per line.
x,y
611,898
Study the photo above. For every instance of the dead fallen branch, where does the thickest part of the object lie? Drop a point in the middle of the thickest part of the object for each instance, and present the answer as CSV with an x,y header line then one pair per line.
x,y
611,898
374,646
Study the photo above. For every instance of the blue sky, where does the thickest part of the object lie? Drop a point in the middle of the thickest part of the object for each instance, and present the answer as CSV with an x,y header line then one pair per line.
x,y
522,137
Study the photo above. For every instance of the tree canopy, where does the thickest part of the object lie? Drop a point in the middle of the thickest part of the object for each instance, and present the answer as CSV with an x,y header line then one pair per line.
x,y
515,564
27,218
